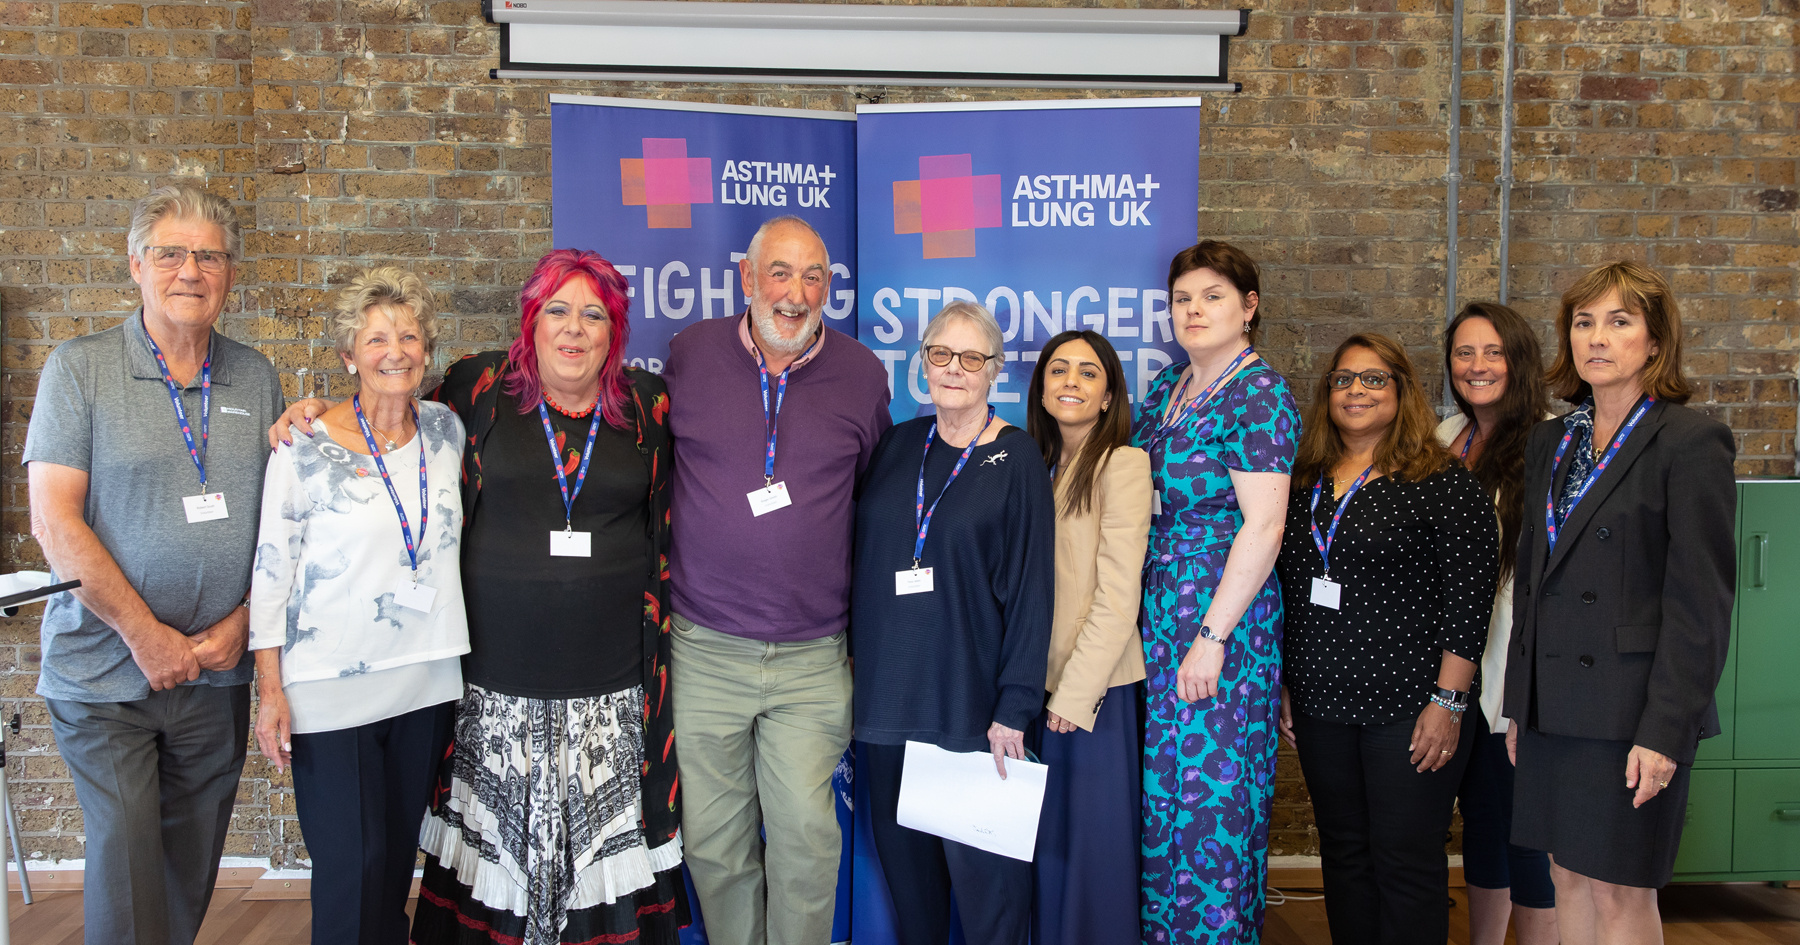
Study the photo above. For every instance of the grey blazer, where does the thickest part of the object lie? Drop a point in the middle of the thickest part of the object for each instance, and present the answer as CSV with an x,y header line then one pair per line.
x,y
1623,631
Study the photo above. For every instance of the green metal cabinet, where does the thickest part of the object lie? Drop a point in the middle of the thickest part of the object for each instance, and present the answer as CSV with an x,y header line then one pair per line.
x,y
1743,818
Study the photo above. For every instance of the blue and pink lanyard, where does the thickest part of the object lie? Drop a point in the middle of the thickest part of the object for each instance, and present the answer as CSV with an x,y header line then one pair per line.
x,y
1182,412
771,418
197,453
412,549
1552,524
1323,542
922,515
562,479
1469,440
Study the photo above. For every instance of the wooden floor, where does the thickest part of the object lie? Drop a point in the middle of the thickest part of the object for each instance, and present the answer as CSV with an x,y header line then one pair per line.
x,y
1736,914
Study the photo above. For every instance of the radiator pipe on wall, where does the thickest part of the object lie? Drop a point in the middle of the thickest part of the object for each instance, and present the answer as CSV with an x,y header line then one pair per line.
x,y
1506,146
1453,179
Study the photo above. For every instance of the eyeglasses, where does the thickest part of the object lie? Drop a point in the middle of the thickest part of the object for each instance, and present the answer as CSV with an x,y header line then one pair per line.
x,y
173,257
972,361
1371,380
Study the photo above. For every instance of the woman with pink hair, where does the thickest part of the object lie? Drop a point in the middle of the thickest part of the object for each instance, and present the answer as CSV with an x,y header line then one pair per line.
x,y
556,814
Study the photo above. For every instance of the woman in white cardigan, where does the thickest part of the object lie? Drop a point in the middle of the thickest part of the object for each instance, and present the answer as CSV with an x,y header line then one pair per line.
x,y
1496,375
356,612
1086,869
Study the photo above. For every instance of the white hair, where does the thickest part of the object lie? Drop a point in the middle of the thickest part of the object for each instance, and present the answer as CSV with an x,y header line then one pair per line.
x,y
181,202
755,251
975,314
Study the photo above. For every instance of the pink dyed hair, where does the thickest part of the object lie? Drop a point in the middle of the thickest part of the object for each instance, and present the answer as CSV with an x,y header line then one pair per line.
x,y
554,271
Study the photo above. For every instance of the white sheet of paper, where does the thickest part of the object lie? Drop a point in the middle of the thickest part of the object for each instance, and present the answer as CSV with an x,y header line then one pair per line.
x,y
912,581
768,499
1155,502
209,507
1327,593
959,796
571,544
415,596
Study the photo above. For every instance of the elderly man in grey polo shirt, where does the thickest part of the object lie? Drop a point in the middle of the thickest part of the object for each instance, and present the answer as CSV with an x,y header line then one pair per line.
x,y
145,458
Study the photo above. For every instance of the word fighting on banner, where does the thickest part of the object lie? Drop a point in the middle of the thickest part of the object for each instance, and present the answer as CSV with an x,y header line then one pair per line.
x,y
1056,215
671,192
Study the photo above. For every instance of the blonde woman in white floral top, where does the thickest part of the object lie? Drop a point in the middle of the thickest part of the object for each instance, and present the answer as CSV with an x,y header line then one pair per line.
x,y
357,616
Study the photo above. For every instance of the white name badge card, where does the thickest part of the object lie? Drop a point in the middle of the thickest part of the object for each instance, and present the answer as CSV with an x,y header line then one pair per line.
x,y
768,499
1327,593
912,581
415,596
204,508
571,544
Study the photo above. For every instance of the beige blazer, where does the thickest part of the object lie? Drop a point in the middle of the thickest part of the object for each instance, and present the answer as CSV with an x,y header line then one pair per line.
x,y
1094,640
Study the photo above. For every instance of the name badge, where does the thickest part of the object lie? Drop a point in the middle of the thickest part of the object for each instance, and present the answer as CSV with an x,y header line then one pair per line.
x,y
204,508
415,596
912,581
1155,502
571,544
1327,593
768,499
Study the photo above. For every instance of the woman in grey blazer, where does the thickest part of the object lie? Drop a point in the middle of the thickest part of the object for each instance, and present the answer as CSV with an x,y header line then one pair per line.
x,y
1622,606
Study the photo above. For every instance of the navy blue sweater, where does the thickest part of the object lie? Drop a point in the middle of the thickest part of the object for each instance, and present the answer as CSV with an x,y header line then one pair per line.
x,y
940,667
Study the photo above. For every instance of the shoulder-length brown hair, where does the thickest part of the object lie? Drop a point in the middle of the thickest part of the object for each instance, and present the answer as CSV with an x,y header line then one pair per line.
x,y
1408,450
1501,463
1644,292
1111,431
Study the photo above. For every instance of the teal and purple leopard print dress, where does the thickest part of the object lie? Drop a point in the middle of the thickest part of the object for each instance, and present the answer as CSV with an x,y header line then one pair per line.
x,y
1209,768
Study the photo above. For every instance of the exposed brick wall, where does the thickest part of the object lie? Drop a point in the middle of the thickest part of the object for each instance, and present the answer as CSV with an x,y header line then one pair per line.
x,y
1654,129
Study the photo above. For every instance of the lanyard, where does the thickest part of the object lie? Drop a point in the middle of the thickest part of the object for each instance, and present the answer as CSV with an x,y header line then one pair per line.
x,y
1469,440
1182,412
771,418
1323,543
562,480
198,454
921,514
1551,524
412,551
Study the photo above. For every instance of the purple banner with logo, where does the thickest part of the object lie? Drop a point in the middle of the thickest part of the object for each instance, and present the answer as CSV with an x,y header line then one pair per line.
x,y
1055,215
671,192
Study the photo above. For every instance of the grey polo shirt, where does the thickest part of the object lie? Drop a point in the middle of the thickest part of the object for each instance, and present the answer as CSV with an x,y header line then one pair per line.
x,y
102,406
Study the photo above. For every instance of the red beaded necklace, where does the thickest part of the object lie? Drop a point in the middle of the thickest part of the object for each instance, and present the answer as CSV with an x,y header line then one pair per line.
x,y
574,414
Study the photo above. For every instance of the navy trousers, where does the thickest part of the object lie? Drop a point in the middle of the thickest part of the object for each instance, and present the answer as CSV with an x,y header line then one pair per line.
x,y
993,892
361,795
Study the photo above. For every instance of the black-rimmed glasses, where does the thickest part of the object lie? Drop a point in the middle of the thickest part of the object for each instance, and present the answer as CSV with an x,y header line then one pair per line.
x,y
972,361
1371,380
173,257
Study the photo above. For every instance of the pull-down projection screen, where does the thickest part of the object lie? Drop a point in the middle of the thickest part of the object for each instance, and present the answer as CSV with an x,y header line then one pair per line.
x,y
865,44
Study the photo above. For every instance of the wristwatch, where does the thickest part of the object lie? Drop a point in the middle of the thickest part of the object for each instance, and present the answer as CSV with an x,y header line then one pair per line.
x,y
1453,699
1207,633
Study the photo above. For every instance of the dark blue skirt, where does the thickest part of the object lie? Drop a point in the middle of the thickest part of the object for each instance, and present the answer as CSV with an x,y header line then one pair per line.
x,y
1086,869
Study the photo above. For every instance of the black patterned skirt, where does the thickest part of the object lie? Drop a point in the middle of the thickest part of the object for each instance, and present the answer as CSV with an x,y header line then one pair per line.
x,y
538,838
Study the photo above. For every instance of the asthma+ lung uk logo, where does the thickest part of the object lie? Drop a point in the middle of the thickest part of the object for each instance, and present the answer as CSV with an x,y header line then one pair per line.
x,y
667,183
946,205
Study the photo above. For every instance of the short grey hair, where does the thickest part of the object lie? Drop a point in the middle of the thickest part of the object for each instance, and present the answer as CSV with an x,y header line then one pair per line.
x,y
975,314
181,202
384,285
755,251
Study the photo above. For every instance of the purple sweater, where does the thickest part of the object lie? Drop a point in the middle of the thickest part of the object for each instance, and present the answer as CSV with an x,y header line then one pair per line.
x,y
786,575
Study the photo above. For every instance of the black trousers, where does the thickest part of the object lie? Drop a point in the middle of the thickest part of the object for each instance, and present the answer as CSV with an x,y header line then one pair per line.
x,y
993,892
1382,827
361,795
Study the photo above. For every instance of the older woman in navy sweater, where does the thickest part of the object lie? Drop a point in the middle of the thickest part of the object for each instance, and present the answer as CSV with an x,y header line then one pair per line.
x,y
950,611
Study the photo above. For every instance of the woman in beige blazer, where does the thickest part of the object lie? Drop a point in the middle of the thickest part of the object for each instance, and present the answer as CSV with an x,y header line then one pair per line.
x,y
1088,834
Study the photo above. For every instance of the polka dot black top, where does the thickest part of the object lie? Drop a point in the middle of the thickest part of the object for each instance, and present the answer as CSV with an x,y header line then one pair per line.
x,y
1417,562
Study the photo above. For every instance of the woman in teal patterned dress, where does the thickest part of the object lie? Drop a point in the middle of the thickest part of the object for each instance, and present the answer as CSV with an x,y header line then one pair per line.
x,y
1221,431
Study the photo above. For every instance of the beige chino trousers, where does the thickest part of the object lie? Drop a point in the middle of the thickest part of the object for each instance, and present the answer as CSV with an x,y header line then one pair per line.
x,y
759,729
